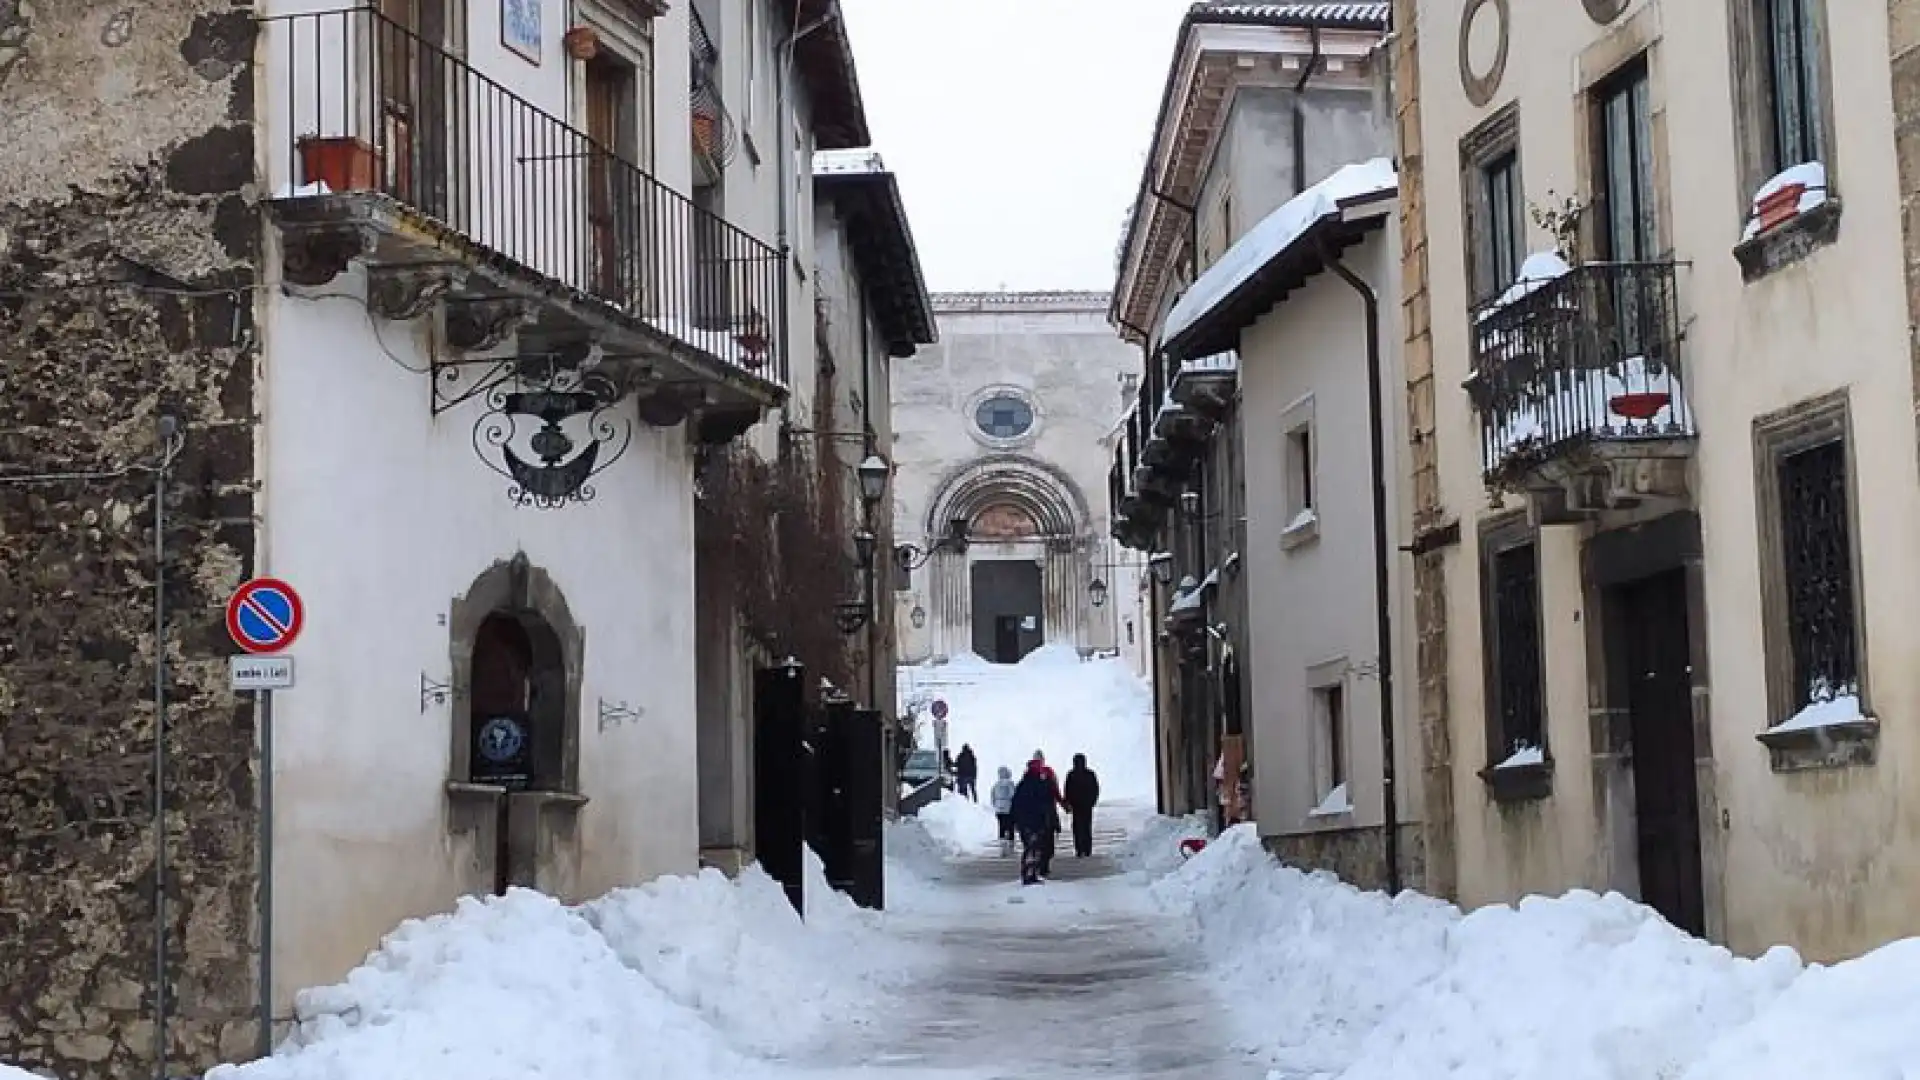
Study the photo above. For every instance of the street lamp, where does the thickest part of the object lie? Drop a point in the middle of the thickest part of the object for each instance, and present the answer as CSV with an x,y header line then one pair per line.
x,y
1162,566
1097,592
873,473
912,558
1190,502
863,542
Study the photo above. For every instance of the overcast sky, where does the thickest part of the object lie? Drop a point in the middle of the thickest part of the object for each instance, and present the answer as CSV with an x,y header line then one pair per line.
x,y
1016,127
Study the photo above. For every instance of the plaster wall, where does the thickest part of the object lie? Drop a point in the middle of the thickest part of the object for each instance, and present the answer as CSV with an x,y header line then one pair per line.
x,y
1822,859
382,514
1310,586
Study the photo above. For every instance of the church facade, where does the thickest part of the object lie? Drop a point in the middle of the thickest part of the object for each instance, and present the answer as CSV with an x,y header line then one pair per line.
x,y
1000,511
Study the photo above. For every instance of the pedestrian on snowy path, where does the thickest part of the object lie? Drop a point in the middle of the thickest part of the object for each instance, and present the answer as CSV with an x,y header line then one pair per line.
x,y
1053,811
966,770
1082,791
1002,798
1036,820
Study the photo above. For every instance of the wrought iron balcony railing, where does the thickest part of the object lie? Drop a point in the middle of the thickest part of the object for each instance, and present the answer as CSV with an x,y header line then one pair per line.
x,y
1591,354
362,105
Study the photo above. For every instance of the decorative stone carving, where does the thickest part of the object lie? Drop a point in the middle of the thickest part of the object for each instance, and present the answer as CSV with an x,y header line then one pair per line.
x,y
314,257
483,324
400,295
1480,86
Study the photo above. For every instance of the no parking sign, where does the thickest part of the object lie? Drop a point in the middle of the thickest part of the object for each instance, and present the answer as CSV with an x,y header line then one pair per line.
x,y
265,615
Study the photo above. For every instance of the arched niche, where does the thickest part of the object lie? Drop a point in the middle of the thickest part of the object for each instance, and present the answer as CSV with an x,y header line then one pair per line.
x,y
1004,484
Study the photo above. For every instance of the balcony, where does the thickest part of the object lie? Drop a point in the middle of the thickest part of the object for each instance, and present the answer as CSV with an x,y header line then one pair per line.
x,y
1138,511
465,202
1578,385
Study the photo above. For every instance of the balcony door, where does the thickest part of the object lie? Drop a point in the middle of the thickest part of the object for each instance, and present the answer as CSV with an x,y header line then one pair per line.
x,y
418,80
1628,229
612,189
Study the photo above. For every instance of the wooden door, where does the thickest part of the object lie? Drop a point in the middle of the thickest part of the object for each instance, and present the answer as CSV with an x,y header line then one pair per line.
x,y
609,123
415,74
1660,708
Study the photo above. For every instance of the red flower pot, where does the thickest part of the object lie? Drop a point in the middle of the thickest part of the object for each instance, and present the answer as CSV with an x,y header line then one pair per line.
x,y
341,162
1780,207
1639,406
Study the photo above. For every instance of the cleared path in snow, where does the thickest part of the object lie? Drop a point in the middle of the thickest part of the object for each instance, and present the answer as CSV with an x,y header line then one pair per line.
x,y
1078,977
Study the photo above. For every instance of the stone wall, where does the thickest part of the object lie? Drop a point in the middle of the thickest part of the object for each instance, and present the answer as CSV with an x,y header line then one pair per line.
x,y
1357,856
1430,519
127,240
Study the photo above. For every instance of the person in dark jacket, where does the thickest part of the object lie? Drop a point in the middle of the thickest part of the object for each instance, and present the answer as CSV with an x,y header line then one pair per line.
x,y
966,773
1053,813
1082,793
1035,819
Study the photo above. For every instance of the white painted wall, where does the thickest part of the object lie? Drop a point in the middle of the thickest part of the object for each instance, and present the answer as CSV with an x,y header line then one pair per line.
x,y
1311,602
381,515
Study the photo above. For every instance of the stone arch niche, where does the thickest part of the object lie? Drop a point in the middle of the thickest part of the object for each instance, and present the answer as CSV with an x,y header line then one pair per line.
x,y
1018,510
514,754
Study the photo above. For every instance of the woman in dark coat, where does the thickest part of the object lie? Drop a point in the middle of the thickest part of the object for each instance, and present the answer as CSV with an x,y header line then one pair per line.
x,y
1035,819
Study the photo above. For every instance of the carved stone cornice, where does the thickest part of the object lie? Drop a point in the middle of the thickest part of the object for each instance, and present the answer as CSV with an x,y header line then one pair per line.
x,y
314,256
479,325
399,295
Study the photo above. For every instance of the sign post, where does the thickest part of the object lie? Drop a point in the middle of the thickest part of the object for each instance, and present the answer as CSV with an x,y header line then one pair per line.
x,y
264,616
940,726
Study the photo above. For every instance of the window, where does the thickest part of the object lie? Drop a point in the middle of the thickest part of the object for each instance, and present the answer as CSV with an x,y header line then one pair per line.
x,y
1516,705
1300,472
1330,710
1815,633
1004,416
1495,211
1627,227
1790,41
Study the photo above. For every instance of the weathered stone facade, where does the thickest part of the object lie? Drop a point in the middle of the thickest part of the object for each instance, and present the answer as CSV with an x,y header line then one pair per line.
x,y
1903,24
1357,856
128,237
1430,521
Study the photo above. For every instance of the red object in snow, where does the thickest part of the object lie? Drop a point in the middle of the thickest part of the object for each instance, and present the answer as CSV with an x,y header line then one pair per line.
x,y
1191,846
1639,406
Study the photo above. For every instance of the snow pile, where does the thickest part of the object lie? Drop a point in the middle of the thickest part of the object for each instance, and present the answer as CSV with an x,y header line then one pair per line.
x,y
960,826
738,954
1331,980
1835,711
1051,701
674,980
8,1072
1153,849
509,988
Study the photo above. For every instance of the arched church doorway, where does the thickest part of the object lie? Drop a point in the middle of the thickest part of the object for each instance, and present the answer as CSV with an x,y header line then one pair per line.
x,y
1007,588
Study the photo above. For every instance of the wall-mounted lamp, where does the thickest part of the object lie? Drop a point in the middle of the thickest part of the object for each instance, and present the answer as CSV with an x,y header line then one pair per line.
x,y
863,542
1190,503
1097,592
1162,566
873,474
912,558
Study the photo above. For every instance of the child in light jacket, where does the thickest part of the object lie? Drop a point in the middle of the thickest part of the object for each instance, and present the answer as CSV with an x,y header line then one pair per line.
x,y
1002,799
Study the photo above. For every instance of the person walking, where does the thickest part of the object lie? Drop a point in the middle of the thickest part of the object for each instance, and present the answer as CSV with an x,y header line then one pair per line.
x,y
1035,818
1082,793
966,771
1053,810
1002,799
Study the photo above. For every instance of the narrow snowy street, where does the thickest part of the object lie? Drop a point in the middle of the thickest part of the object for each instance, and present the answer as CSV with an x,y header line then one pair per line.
x,y
1077,977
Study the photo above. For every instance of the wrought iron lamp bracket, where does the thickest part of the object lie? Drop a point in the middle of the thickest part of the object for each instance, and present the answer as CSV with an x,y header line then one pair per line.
x,y
615,713
433,692
456,382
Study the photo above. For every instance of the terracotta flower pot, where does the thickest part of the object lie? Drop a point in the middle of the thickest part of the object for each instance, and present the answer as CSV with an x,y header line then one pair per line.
x,y
582,43
1643,406
342,162
703,133
1780,206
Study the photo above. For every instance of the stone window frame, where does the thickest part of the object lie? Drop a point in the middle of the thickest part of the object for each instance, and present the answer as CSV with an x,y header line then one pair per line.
x,y
1815,422
1752,89
629,37
1499,535
1330,674
970,415
1633,44
1493,139
1296,419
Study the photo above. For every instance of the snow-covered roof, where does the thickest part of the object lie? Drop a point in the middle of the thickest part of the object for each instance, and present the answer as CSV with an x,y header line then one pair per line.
x,y
841,162
1274,236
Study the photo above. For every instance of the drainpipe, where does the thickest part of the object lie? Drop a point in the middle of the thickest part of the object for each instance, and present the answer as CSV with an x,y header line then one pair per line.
x,y
1383,611
168,427
1300,114
866,442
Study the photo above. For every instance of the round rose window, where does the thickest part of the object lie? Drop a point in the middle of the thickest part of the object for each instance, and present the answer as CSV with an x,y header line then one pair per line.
x,y
1004,417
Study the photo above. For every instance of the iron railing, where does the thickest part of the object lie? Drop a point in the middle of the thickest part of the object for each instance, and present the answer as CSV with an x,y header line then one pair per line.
x,y
363,103
1591,354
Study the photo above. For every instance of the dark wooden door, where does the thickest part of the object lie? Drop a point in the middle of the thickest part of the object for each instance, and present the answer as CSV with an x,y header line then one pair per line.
x,y
1660,707
609,118
416,76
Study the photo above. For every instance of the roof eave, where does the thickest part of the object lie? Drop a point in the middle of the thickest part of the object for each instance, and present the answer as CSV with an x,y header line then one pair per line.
x,y
903,306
